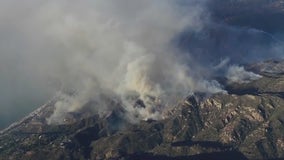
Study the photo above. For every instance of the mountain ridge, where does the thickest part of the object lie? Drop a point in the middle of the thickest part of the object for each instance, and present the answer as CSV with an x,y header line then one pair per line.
x,y
247,125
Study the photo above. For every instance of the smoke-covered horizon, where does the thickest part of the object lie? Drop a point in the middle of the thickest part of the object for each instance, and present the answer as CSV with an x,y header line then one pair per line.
x,y
121,49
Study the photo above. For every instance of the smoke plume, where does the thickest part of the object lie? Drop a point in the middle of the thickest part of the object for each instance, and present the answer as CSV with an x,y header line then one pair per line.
x,y
123,50
237,74
81,51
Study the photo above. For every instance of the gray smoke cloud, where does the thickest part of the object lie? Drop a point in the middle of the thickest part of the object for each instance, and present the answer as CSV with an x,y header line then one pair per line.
x,y
125,50
238,74
112,48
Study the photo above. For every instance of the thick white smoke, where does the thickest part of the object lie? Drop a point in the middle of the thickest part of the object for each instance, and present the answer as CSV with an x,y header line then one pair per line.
x,y
122,49
92,49
238,74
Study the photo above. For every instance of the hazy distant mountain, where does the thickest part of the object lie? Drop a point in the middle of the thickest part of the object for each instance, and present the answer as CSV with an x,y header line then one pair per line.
x,y
265,15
